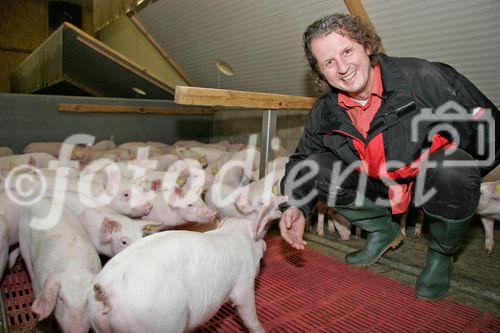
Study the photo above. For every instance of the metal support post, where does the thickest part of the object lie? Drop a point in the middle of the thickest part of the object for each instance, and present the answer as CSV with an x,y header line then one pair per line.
x,y
268,134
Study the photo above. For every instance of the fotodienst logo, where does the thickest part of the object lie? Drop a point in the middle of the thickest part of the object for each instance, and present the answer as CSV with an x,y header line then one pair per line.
x,y
473,130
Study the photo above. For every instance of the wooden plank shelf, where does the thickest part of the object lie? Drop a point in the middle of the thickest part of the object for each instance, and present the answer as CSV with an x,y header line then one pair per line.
x,y
240,99
63,107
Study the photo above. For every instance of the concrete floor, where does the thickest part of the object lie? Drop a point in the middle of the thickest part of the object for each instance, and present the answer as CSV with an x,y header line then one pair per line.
x,y
476,274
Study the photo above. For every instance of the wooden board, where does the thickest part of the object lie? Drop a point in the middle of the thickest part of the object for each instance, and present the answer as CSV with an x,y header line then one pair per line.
x,y
133,109
240,99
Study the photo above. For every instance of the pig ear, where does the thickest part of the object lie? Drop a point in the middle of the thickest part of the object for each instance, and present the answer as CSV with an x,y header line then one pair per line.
x,y
46,302
266,216
111,181
108,227
176,197
262,221
243,204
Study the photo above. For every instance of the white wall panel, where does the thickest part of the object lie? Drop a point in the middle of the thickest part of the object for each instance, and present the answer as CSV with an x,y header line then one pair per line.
x,y
262,40
462,33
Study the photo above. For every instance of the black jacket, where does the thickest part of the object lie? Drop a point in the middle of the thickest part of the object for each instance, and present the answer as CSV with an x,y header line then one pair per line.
x,y
410,85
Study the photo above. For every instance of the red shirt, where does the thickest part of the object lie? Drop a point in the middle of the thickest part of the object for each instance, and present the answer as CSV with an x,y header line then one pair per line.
x,y
372,154
362,115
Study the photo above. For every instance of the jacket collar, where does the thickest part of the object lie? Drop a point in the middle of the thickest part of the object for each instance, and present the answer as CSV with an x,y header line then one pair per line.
x,y
396,95
392,77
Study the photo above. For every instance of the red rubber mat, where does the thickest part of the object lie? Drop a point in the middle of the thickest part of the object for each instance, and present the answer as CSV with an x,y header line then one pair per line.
x,y
310,292
18,295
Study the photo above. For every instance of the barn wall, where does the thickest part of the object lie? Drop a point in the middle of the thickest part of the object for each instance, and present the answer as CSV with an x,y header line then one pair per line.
x,y
28,118
23,27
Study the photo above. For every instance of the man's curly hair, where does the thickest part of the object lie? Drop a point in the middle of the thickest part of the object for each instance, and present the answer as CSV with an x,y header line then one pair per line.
x,y
345,25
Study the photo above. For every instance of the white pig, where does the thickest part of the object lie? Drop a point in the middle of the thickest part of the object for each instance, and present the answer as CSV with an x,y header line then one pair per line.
x,y
175,281
254,195
52,148
62,264
489,210
165,148
104,145
127,197
110,233
109,189
222,145
322,211
40,160
163,162
5,151
173,207
222,197
10,215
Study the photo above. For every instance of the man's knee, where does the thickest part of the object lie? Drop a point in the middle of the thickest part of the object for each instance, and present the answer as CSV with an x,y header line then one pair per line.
x,y
456,185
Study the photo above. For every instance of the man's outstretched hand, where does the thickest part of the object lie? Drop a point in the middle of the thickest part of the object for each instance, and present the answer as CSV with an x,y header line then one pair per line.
x,y
292,225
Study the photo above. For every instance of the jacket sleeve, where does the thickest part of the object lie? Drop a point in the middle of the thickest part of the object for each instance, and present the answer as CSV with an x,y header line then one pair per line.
x,y
479,135
484,137
310,143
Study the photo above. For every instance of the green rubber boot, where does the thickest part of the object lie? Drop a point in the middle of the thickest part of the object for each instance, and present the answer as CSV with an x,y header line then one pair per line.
x,y
382,232
434,281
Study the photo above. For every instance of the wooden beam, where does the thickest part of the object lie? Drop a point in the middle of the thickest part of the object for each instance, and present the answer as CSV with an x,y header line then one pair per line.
x,y
240,99
142,29
356,8
75,82
65,107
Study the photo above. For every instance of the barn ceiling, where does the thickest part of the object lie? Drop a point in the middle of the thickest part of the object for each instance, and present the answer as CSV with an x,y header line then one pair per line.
x,y
261,39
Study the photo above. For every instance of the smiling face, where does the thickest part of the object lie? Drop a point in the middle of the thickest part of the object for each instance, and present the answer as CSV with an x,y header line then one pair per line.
x,y
344,63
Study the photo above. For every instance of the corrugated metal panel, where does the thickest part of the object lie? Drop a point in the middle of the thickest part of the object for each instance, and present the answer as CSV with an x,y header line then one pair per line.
x,y
76,58
464,34
104,73
260,39
42,68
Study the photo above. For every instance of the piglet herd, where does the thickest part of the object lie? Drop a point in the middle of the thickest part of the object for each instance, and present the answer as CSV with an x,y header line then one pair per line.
x,y
62,207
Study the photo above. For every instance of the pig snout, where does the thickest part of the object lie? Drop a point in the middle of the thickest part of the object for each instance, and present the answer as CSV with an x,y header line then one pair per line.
x,y
210,213
142,210
200,214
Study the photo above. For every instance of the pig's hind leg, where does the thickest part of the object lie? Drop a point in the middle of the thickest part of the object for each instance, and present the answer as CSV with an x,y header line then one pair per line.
x,y
245,304
488,233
